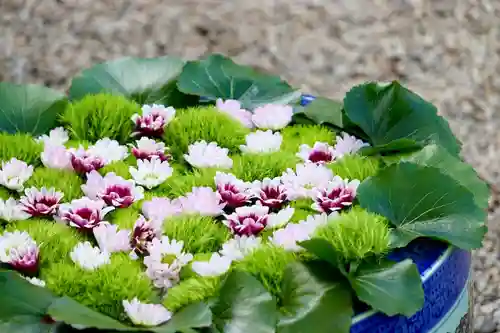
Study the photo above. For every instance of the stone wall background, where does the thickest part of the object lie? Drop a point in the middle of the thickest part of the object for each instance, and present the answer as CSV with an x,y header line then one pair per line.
x,y
446,50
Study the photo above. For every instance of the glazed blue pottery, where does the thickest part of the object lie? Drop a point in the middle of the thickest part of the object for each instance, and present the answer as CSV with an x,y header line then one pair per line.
x,y
446,277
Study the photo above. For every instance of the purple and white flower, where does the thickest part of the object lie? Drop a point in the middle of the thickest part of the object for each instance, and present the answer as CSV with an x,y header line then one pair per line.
x,y
348,144
161,208
320,153
337,195
11,210
147,149
108,150
43,202
303,182
239,247
144,232
233,191
110,239
270,192
272,116
143,314
113,189
20,251
250,221
208,155
151,173
165,261
56,157
58,137
233,108
15,173
84,214
153,120
215,266
262,142
84,162
203,201
88,257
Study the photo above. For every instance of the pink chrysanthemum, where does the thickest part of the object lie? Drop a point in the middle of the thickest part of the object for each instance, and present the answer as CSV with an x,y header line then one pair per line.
x,y
142,235
147,149
153,120
250,221
44,202
270,192
233,108
20,251
84,162
320,153
84,214
347,144
203,201
337,195
233,191
159,209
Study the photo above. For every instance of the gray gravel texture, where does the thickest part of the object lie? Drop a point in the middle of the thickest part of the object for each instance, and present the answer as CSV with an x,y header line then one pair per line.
x,y
446,50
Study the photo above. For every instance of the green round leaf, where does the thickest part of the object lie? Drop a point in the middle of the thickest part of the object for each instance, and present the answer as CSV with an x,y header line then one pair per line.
x,y
423,201
392,288
323,110
399,147
219,77
144,80
390,112
29,108
314,303
244,306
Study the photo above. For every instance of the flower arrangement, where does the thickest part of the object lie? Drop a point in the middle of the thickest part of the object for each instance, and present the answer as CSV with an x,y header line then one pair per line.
x,y
167,196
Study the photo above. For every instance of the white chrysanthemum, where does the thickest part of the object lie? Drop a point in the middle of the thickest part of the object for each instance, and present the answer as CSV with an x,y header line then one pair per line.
x,y
15,173
280,218
11,210
165,260
58,136
35,281
208,155
302,182
110,239
262,142
151,173
88,257
108,150
146,314
239,247
272,116
348,144
216,266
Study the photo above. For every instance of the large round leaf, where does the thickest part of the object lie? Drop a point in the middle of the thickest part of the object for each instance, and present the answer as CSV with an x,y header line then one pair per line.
x,y
219,77
141,79
29,108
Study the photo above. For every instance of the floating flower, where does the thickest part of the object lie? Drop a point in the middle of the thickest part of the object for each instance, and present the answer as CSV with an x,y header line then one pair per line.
x,y
143,314
35,281
11,210
250,221
272,116
84,214
113,189
43,202
148,148
58,137
233,108
153,120
110,239
108,150
151,173
270,192
161,208
88,257
142,235
14,174
262,142
348,144
239,247
165,260
233,191
203,155
84,162
20,251
320,153
337,195
303,182
297,232
56,157
216,266
203,201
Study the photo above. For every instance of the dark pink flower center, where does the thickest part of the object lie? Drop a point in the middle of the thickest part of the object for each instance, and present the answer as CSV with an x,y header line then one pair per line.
x,y
118,195
152,125
83,218
27,264
273,197
85,164
336,199
45,206
248,225
320,156
141,237
232,196
147,155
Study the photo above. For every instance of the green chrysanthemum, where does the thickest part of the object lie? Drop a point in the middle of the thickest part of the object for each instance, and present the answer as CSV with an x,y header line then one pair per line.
x,y
250,167
297,135
65,181
355,167
21,146
189,291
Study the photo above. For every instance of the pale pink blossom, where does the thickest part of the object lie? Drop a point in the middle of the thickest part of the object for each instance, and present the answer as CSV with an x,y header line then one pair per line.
x,y
56,157
89,257
20,251
110,239
153,120
161,208
151,173
83,161
11,210
43,202
262,142
215,266
239,247
320,153
272,116
84,214
113,189
15,173
302,182
147,148
233,108
208,155
348,144
337,195
270,192
289,236
58,136
108,150
143,314
233,191
203,201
